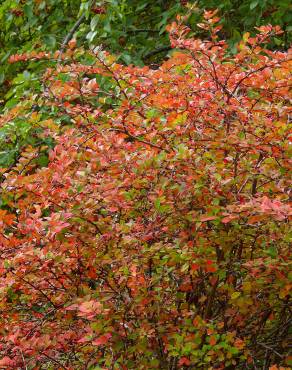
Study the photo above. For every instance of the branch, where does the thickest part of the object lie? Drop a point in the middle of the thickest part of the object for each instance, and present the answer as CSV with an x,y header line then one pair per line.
x,y
138,30
157,51
70,35
271,349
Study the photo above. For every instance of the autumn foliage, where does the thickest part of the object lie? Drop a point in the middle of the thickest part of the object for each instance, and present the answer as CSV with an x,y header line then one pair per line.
x,y
156,237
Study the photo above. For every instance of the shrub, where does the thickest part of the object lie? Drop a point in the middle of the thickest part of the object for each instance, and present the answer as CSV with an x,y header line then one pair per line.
x,y
157,235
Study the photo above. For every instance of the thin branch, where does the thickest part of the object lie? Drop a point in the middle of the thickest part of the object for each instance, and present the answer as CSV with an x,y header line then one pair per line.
x,y
35,288
23,360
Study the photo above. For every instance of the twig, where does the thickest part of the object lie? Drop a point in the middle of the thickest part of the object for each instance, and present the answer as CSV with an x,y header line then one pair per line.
x,y
126,132
54,360
271,349
23,360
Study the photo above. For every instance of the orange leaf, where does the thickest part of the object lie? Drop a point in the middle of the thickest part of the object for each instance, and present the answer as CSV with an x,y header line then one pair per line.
x,y
213,340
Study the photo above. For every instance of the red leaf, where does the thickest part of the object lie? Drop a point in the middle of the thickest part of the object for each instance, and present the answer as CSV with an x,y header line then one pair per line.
x,y
103,339
195,267
184,361
229,218
6,361
90,309
207,218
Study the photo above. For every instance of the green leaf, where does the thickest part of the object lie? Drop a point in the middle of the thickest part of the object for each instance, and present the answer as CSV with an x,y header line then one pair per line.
x,y
94,22
90,36
50,41
43,160
253,4
2,77
28,11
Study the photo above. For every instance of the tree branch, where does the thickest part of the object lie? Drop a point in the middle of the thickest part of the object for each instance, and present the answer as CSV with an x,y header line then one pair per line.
x,y
157,51
70,35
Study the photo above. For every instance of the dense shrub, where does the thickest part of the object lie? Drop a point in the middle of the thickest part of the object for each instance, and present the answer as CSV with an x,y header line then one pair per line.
x,y
157,235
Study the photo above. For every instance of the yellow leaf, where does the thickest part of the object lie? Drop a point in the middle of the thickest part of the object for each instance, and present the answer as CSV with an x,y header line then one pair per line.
x,y
235,295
